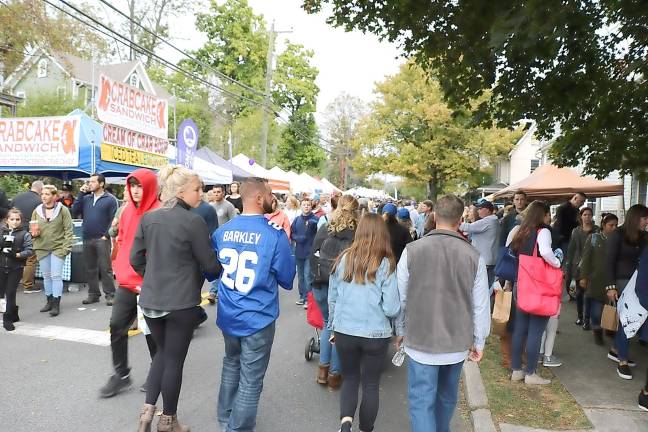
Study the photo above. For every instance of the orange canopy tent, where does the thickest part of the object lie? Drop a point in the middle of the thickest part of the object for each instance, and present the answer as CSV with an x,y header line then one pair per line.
x,y
550,183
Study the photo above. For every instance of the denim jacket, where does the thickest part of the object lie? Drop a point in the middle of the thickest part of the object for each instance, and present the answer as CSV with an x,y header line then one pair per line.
x,y
363,309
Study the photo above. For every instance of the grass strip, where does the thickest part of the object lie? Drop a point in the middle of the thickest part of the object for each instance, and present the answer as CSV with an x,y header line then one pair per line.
x,y
546,407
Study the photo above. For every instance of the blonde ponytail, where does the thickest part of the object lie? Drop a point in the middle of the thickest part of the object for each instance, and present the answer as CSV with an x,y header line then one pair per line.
x,y
173,179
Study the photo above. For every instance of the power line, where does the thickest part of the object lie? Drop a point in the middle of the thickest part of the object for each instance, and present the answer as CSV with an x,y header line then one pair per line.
x,y
186,54
128,42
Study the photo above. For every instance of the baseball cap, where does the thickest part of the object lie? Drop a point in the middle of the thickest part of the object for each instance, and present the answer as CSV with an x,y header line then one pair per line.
x,y
403,213
484,203
390,209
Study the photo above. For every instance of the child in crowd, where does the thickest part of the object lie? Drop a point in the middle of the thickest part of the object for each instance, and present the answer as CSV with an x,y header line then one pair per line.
x,y
15,248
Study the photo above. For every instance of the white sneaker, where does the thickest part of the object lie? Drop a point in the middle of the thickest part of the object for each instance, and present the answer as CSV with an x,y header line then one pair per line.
x,y
551,361
536,379
517,375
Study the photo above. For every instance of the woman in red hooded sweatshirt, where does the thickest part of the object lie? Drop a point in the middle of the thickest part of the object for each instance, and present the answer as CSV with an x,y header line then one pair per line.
x,y
142,189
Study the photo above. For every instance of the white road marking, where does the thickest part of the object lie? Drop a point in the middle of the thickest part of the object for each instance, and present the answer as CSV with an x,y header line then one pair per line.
x,y
72,334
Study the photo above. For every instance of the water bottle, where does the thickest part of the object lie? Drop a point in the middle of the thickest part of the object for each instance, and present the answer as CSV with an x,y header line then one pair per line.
x,y
399,357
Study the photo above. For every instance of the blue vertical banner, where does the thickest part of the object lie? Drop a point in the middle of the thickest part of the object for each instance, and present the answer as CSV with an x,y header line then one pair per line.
x,y
187,143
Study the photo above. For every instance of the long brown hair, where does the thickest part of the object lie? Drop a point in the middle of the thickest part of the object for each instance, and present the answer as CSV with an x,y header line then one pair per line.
x,y
370,245
533,219
631,230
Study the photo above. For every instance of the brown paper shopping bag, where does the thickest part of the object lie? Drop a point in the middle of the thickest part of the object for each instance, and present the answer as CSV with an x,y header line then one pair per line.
x,y
501,312
610,318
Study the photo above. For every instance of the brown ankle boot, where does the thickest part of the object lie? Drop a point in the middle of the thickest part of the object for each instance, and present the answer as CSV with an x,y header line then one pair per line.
x,y
146,418
505,347
322,375
334,381
169,423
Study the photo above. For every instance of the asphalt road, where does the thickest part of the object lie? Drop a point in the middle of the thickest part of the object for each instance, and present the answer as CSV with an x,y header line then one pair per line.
x,y
48,384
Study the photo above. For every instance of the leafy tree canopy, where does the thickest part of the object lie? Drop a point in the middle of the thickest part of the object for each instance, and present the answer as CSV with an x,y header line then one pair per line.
x,y
412,132
25,24
578,68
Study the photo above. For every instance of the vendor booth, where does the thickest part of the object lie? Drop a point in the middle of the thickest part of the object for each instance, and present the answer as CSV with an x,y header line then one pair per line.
x,y
362,192
553,184
208,155
67,147
75,146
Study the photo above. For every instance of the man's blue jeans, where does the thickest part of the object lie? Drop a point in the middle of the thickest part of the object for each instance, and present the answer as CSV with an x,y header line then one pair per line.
x,y
432,393
328,353
244,367
303,277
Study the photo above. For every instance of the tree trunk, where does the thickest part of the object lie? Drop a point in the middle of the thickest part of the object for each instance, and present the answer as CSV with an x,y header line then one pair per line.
x,y
433,186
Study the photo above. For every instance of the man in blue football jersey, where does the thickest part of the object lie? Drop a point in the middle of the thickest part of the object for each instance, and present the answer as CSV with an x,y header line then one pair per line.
x,y
256,257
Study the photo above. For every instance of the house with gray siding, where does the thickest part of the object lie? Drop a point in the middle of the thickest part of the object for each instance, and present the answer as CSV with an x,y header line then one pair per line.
x,y
70,76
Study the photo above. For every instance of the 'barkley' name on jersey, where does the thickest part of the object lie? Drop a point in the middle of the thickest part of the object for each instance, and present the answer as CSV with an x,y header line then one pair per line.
x,y
242,237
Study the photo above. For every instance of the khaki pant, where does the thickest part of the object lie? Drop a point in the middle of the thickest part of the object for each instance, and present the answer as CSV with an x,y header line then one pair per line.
x,y
29,272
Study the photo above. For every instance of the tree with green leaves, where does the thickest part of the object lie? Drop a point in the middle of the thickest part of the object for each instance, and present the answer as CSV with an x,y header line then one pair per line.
x,y
578,68
341,121
412,132
26,24
49,104
295,91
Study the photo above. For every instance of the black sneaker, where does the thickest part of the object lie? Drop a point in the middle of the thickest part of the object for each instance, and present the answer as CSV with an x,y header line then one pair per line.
x,y
110,300
587,325
144,387
345,427
579,322
615,358
90,300
624,371
114,385
643,401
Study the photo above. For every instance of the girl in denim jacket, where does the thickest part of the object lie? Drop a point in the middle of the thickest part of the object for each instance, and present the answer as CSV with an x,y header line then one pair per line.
x,y
363,296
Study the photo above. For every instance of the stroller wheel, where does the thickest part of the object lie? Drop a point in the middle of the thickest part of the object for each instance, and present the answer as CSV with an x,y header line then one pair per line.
x,y
308,353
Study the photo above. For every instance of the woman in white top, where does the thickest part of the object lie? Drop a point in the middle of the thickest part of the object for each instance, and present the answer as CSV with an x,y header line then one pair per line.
x,y
528,328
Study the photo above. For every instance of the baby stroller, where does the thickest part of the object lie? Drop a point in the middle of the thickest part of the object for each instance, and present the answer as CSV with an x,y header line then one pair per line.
x,y
315,319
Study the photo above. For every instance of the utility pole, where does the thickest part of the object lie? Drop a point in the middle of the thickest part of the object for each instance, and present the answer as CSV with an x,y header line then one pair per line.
x,y
268,86
266,102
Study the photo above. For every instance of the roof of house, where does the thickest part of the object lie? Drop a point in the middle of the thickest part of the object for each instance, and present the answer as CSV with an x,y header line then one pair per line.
x,y
82,70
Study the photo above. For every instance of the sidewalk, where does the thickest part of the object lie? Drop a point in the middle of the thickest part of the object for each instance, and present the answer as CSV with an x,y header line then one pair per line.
x,y
609,402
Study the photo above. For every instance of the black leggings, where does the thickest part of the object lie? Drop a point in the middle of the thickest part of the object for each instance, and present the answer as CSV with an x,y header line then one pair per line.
x,y
362,361
8,285
172,334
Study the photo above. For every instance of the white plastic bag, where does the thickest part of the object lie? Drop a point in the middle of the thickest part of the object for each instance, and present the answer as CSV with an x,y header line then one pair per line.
x,y
631,314
141,322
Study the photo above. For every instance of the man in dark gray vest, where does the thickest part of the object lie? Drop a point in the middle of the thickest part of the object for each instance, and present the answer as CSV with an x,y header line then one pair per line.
x,y
445,316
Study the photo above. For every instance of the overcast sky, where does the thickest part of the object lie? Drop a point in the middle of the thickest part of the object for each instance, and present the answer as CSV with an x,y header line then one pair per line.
x,y
347,62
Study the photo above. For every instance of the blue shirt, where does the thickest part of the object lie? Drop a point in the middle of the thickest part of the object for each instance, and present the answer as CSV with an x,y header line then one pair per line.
x,y
363,309
302,232
256,257
97,214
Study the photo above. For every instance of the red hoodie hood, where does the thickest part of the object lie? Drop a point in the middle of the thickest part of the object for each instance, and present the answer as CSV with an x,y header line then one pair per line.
x,y
128,223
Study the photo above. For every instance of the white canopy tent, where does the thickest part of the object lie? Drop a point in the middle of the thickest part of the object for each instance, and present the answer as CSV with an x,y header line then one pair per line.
x,y
329,187
367,193
212,174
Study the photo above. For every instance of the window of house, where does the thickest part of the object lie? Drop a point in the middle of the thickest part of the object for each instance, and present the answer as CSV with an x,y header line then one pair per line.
x,y
21,94
42,68
535,163
134,80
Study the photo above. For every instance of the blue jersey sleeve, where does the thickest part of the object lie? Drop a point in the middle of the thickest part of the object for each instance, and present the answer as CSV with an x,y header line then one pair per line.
x,y
283,262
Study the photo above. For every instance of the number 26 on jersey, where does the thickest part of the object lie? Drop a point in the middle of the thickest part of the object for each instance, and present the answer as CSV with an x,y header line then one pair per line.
x,y
243,265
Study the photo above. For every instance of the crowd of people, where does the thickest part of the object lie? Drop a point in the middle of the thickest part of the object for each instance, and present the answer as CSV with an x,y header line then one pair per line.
x,y
422,276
